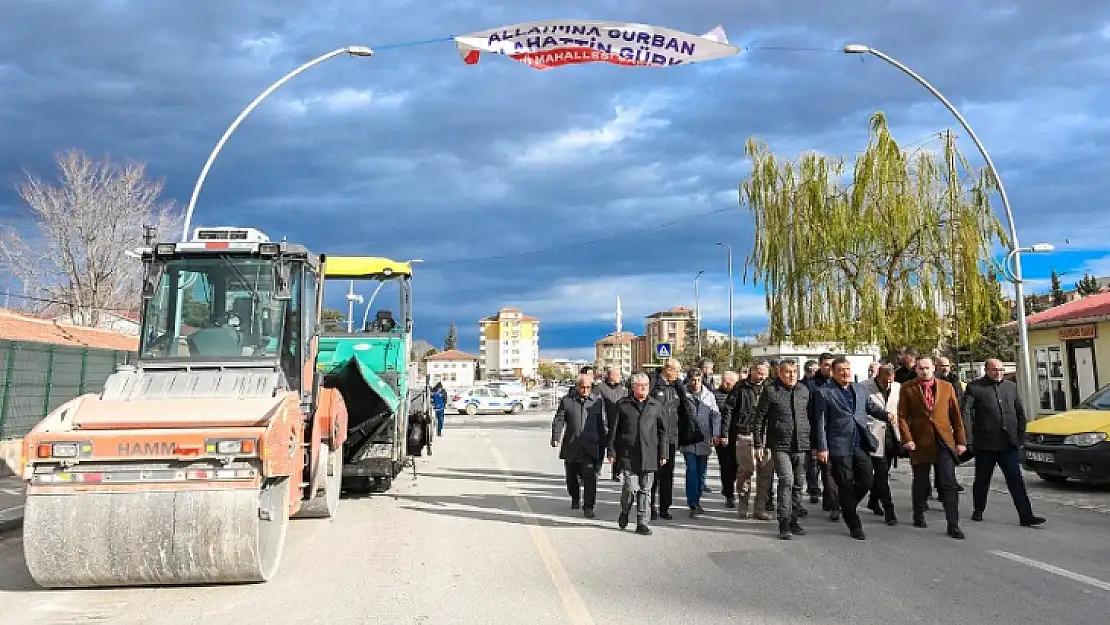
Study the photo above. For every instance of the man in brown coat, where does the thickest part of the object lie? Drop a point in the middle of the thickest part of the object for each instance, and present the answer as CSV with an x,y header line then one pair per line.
x,y
933,432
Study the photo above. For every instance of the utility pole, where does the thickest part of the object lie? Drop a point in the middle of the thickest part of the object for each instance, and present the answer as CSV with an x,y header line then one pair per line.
x,y
697,311
731,316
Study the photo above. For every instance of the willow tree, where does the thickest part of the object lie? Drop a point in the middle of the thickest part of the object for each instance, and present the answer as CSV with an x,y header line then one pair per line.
x,y
895,251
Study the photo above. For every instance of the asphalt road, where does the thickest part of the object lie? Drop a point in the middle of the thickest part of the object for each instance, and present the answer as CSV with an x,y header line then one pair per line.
x,y
486,535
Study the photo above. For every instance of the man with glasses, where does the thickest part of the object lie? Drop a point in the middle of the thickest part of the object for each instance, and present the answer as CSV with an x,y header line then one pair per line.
x,y
996,418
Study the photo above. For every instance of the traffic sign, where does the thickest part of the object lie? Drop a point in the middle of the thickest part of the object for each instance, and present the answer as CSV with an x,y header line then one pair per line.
x,y
663,351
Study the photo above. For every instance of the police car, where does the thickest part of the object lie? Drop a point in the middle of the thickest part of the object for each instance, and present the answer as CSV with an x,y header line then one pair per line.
x,y
486,400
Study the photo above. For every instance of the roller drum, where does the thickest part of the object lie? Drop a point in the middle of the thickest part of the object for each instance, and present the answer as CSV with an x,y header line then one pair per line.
x,y
141,538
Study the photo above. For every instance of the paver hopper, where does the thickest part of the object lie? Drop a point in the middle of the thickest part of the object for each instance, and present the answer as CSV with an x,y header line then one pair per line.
x,y
188,466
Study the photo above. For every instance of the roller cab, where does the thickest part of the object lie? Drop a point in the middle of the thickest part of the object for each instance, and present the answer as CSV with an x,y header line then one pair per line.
x,y
188,466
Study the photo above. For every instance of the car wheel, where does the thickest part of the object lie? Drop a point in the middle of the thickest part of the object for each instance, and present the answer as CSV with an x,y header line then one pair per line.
x,y
472,409
1053,479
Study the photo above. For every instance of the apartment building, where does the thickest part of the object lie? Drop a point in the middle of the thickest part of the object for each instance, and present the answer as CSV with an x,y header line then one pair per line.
x,y
615,350
508,345
669,326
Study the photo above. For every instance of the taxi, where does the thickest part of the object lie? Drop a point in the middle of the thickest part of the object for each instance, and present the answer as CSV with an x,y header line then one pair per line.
x,y
1074,444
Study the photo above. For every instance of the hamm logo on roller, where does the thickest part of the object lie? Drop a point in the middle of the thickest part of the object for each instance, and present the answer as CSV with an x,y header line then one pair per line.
x,y
164,448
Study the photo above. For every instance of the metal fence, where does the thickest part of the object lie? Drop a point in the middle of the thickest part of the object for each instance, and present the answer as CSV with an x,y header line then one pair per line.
x,y
36,378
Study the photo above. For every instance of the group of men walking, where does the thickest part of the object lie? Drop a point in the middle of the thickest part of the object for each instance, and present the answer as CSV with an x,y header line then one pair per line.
x,y
816,428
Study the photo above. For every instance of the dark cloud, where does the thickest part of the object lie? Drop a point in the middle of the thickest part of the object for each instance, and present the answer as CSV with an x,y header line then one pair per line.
x,y
414,154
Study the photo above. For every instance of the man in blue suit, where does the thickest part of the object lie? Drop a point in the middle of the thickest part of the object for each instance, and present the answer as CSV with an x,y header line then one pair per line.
x,y
843,439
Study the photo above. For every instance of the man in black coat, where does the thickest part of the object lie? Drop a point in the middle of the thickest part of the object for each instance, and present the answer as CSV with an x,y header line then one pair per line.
x,y
580,426
819,480
726,452
636,443
782,428
671,395
612,390
993,411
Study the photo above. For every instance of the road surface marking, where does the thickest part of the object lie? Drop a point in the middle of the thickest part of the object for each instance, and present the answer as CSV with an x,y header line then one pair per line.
x,y
13,512
1090,581
571,600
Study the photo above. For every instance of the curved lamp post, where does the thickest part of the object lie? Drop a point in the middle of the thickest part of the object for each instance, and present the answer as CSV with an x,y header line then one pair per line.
x,y
1015,249
351,50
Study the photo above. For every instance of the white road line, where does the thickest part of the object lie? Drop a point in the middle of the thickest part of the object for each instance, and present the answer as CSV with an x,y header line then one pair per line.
x,y
576,608
1090,581
12,512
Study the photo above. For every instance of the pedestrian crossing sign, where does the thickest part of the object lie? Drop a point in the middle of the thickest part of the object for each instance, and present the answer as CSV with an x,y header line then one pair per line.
x,y
663,351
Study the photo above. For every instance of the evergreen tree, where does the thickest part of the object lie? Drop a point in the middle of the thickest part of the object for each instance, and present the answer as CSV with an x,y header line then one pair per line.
x,y
451,342
1058,296
1087,286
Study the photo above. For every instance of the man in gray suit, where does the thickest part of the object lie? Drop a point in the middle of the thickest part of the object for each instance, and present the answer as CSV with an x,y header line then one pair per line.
x,y
843,439
996,419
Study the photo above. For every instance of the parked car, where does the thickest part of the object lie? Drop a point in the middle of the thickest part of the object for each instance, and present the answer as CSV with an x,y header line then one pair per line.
x,y
535,400
485,400
1073,444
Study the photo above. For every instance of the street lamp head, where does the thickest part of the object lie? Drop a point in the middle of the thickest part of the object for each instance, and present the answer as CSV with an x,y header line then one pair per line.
x,y
700,272
1041,248
856,48
359,51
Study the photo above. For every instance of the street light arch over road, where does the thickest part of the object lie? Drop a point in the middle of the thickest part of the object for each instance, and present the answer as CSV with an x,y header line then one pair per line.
x,y
1015,249
360,51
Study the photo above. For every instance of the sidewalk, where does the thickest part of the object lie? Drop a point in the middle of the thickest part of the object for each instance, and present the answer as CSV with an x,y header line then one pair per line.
x,y
11,503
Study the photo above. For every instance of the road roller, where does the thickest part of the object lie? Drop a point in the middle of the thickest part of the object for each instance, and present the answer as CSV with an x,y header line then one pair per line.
x,y
189,464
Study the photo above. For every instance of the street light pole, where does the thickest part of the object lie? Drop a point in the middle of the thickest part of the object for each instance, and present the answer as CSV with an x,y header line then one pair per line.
x,y
351,50
697,310
1019,292
731,333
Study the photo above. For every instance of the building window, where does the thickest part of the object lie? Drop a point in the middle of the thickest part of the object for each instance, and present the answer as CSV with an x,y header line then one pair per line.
x,y
1050,379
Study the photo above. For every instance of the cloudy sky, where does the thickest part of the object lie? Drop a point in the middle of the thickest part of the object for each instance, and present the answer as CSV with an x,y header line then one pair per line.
x,y
554,191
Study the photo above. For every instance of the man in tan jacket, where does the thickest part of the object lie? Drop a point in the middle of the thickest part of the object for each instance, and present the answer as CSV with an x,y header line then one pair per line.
x,y
932,430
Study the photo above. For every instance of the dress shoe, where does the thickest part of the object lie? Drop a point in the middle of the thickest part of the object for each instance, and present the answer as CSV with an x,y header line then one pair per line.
x,y
919,521
622,520
1033,521
955,532
977,516
891,519
665,514
588,512
643,530
574,505
795,528
730,502
784,529
857,533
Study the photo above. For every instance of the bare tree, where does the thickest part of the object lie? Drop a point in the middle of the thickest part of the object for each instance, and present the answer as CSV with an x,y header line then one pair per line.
x,y
76,257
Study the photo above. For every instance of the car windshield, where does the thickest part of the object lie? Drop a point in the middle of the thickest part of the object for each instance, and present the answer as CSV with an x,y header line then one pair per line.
x,y
1099,401
213,308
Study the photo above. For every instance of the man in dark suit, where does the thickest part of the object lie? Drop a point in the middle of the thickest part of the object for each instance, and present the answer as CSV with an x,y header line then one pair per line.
x,y
843,439
993,413
636,446
579,426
